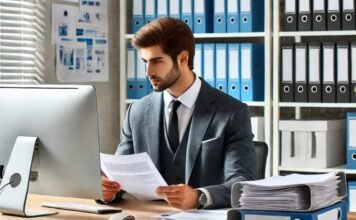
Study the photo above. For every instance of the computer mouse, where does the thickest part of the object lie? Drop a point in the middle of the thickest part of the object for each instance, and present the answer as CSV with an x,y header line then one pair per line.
x,y
121,216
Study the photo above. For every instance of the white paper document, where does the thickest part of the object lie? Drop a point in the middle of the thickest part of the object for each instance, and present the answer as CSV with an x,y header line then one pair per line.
x,y
196,214
135,173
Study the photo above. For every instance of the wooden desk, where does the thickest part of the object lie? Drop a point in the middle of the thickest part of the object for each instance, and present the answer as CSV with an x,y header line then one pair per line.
x,y
139,209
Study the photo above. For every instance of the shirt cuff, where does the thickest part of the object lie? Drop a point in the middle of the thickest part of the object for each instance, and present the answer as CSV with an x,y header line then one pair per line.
x,y
117,198
208,196
105,202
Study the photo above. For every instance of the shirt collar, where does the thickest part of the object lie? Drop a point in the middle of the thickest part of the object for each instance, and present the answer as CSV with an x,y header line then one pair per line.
x,y
188,98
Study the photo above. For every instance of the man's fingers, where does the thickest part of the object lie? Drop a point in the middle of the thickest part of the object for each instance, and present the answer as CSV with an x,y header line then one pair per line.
x,y
170,195
109,189
108,194
111,185
174,196
108,183
168,189
175,200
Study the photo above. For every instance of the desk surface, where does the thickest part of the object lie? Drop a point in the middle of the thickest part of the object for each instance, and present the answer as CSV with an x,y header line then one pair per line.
x,y
139,209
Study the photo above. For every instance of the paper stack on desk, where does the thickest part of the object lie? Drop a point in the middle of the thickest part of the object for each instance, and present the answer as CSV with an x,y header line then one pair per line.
x,y
294,192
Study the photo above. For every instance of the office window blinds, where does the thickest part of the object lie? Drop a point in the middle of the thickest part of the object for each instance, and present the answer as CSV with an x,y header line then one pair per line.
x,y
18,42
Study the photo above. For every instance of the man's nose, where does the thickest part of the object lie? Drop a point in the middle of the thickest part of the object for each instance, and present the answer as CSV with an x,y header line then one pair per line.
x,y
148,70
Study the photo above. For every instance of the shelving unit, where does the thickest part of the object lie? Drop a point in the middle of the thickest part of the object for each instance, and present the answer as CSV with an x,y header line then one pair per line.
x,y
298,108
265,37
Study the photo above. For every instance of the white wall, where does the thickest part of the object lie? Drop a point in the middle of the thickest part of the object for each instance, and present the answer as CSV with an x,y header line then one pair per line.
x,y
107,92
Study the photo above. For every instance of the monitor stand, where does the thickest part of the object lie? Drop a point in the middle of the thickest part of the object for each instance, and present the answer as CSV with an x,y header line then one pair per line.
x,y
15,183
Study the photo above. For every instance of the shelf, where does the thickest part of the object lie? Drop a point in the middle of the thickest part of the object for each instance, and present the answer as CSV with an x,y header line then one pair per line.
x,y
255,104
280,109
317,105
251,104
231,35
219,35
319,170
316,33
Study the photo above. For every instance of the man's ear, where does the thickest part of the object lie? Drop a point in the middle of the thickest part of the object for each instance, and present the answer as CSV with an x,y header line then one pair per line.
x,y
182,58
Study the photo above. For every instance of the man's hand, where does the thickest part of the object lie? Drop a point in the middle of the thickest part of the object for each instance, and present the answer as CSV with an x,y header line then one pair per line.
x,y
179,196
110,188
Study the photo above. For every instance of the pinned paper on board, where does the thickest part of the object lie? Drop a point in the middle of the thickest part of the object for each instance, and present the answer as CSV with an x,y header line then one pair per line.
x,y
80,36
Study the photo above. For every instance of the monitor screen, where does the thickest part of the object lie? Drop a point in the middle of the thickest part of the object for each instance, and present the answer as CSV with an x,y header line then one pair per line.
x,y
64,118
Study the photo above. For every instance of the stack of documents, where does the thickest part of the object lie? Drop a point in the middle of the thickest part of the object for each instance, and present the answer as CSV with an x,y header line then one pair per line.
x,y
294,192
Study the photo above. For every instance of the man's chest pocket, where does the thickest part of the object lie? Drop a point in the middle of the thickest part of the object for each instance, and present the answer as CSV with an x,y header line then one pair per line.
x,y
212,158
211,144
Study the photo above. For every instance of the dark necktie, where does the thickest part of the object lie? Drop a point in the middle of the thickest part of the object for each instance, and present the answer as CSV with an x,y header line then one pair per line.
x,y
173,134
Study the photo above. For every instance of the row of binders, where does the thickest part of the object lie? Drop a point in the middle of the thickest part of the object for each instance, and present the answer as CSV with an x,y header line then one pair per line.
x,y
318,72
203,16
319,15
234,68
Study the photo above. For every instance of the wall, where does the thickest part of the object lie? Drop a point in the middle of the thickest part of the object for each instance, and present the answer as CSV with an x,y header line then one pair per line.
x,y
107,92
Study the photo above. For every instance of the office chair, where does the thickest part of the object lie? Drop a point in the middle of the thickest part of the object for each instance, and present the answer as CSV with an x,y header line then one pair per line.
x,y
261,158
261,155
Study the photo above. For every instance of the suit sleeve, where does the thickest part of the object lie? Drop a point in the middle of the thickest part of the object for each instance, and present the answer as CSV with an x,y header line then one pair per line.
x,y
125,147
126,144
239,157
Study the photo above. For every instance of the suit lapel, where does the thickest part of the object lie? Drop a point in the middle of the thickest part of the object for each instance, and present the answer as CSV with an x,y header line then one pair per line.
x,y
203,112
153,115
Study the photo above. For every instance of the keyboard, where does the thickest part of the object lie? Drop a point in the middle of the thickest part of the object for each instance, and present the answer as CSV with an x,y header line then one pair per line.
x,y
72,206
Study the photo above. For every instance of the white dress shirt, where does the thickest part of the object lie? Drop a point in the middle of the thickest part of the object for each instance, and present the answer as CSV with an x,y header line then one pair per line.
x,y
185,110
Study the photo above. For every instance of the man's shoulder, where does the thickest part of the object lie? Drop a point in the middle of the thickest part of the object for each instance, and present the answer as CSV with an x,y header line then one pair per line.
x,y
150,98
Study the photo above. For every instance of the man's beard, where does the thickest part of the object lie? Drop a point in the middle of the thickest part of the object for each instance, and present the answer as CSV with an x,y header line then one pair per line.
x,y
169,80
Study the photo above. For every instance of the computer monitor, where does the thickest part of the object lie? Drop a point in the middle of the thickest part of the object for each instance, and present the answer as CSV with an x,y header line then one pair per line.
x,y
64,118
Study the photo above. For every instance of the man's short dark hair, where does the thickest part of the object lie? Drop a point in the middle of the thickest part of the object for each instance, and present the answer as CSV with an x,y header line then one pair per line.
x,y
173,35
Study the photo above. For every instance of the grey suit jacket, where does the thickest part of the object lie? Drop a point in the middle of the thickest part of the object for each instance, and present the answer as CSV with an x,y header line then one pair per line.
x,y
219,151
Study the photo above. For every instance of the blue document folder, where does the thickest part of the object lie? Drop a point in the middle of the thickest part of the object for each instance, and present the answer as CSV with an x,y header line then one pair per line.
x,y
233,18
221,66
174,9
233,70
251,15
252,72
138,16
337,211
131,72
162,8
351,140
150,10
208,63
142,85
219,16
351,196
198,60
203,20
187,12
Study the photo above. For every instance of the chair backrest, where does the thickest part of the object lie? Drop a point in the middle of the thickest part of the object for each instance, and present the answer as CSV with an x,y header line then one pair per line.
x,y
261,155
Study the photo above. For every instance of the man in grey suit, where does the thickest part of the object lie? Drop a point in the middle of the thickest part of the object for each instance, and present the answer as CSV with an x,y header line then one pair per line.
x,y
212,147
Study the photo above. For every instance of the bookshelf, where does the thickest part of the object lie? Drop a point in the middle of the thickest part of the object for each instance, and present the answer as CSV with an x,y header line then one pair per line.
x,y
301,110
263,108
